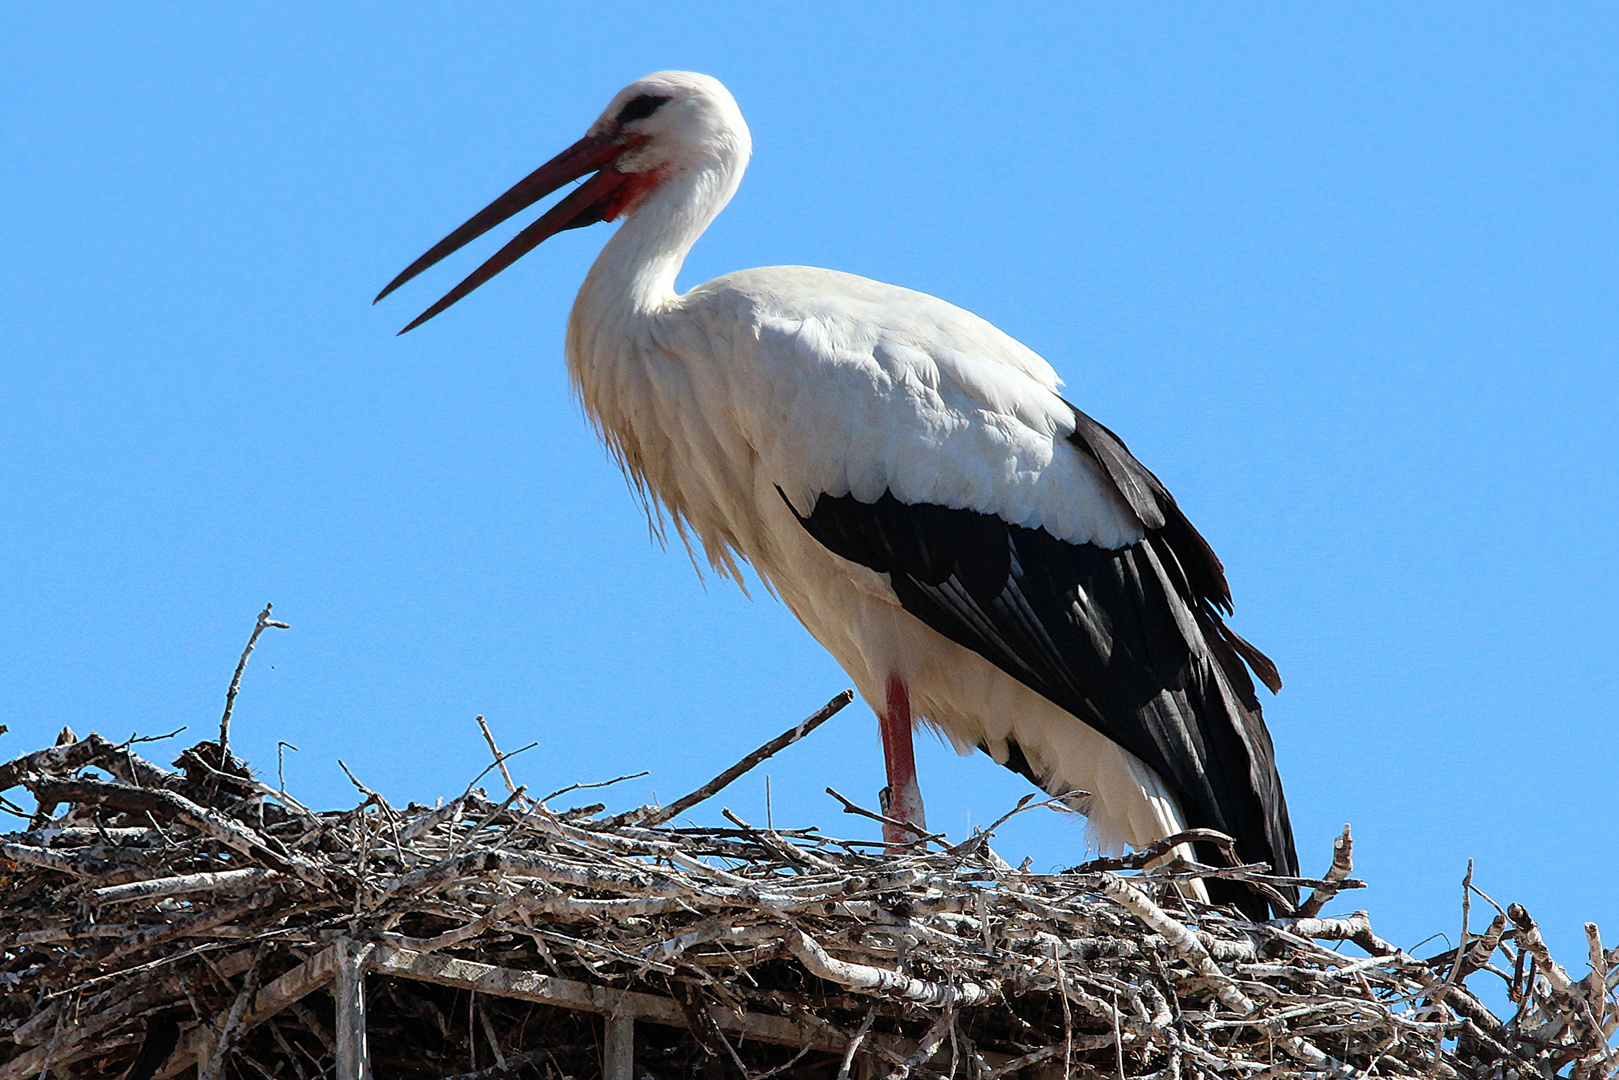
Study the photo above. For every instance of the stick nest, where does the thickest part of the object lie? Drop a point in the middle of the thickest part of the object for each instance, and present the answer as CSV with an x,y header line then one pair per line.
x,y
200,919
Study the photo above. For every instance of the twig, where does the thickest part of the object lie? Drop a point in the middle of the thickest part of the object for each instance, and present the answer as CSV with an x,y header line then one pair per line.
x,y
1018,1064
780,742
131,768
224,881
1530,940
1118,1038
511,1067
1596,989
784,1066
851,807
489,738
135,740
1149,853
1343,850
854,1044
612,918
1461,949
1068,1018
499,760
597,784
172,804
981,837
259,625
246,784
489,1031
45,859
382,806
773,840
928,1045
1182,940
1484,946
280,774
231,1030
484,821
55,760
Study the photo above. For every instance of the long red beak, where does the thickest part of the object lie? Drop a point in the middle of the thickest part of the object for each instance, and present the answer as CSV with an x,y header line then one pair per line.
x,y
598,199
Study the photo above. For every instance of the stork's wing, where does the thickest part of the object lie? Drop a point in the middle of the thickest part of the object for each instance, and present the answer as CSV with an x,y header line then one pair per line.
x,y
1129,640
914,438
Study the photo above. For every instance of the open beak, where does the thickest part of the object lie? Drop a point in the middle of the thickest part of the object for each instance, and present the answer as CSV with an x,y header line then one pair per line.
x,y
598,199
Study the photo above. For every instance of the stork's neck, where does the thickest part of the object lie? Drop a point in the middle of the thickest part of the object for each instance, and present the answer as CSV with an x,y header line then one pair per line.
x,y
636,271
626,379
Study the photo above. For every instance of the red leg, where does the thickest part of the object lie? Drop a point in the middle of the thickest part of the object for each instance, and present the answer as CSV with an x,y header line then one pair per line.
x,y
904,796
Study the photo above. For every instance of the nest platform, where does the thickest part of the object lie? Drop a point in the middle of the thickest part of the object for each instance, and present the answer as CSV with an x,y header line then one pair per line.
x,y
194,921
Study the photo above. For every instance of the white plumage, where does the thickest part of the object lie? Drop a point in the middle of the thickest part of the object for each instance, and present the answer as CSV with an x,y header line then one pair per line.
x,y
911,483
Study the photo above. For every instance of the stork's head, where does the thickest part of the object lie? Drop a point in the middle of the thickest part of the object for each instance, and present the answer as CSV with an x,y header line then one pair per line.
x,y
670,121
668,128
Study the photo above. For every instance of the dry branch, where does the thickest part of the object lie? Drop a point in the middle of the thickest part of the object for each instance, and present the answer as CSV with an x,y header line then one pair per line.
x,y
264,621
1337,878
769,749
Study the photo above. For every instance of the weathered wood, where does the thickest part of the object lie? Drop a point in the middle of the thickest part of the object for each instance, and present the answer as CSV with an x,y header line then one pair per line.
x,y
46,859
70,968
867,977
1343,863
223,881
54,759
259,626
618,1048
353,1056
230,1032
629,1004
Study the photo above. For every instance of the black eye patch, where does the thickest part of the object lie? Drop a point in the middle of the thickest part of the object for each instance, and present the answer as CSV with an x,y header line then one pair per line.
x,y
639,108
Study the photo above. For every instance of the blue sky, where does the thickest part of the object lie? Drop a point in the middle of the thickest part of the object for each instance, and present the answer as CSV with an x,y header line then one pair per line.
x,y
1344,277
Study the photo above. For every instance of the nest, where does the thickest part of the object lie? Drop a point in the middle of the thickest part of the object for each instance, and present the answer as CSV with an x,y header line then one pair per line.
x,y
156,922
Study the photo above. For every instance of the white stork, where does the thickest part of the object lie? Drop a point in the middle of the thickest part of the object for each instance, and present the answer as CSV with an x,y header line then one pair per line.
x,y
975,551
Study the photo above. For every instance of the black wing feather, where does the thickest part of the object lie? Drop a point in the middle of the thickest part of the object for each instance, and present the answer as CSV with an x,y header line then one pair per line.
x,y
1130,641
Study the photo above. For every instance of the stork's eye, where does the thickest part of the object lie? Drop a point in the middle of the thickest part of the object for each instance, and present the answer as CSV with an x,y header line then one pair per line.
x,y
639,108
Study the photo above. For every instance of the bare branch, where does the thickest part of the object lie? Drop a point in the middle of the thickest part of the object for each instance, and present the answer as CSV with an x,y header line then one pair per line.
x,y
851,807
779,743
1343,850
259,626
489,737
597,784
